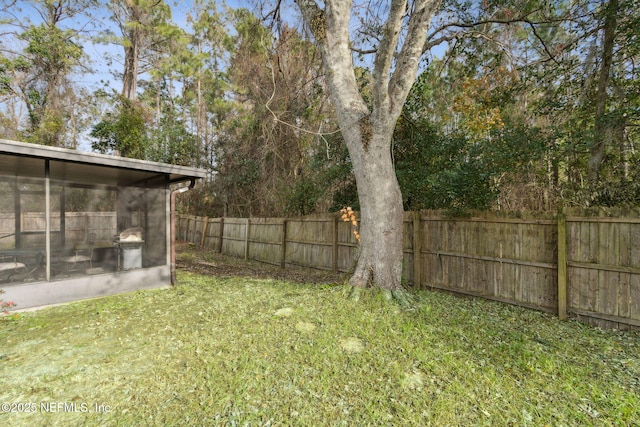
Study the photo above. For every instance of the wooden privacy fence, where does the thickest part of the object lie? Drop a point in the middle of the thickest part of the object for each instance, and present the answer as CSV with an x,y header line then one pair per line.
x,y
78,226
582,263
317,241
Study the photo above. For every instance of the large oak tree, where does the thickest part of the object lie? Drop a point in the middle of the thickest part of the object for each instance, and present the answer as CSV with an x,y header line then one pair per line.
x,y
367,128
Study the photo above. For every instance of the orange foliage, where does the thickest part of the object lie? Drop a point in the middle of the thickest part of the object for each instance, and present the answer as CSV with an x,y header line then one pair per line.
x,y
348,215
474,105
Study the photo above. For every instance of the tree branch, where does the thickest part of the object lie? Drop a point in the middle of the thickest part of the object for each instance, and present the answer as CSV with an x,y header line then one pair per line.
x,y
525,18
385,51
411,52
544,45
429,44
363,51
274,14
330,27
277,119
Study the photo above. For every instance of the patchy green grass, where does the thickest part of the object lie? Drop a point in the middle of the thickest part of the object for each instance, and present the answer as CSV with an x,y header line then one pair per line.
x,y
247,351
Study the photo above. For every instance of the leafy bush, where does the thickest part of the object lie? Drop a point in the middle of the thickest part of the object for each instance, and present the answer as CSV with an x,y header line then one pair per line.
x,y
454,172
5,305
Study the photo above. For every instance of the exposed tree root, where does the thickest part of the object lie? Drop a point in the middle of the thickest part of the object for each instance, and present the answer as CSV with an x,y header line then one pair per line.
x,y
403,298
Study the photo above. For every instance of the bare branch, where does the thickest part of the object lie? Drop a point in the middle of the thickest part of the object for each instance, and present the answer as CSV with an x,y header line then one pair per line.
x,y
411,52
544,44
524,18
274,15
386,49
363,51
291,125
458,24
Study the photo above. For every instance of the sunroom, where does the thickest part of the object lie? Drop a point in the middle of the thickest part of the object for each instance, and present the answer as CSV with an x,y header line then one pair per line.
x,y
77,225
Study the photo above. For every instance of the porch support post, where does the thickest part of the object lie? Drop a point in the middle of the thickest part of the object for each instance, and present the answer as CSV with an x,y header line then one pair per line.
x,y
47,218
17,212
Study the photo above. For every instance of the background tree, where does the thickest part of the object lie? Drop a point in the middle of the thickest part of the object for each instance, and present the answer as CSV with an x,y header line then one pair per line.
x,y
540,77
208,84
588,100
123,132
514,112
263,149
141,24
159,50
38,66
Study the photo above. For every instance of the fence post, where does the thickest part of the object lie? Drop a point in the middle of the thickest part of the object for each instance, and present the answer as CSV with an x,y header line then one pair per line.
x,y
562,265
335,243
221,235
283,244
186,232
417,249
87,224
246,239
205,230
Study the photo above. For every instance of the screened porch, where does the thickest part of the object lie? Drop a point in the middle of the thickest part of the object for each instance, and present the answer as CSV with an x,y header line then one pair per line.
x,y
82,223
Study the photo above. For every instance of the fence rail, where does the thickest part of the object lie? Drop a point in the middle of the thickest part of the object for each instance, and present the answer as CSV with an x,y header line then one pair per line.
x,y
579,262
77,226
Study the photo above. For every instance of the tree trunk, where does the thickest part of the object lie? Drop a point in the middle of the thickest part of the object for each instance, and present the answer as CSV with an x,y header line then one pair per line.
x,y
137,17
130,74
367,129
381,214
597,150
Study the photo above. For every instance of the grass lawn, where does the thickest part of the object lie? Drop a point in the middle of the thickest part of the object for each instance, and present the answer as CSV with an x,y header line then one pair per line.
x,y
254,351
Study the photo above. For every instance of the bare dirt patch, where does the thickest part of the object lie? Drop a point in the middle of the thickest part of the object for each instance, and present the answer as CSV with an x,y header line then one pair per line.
x,y
204,261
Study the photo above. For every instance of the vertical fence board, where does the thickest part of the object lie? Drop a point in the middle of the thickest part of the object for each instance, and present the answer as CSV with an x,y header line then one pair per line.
x,y
283,247
205,230
220,235
624,295
521,291
634,297
416,244
247,236
562,266
234,236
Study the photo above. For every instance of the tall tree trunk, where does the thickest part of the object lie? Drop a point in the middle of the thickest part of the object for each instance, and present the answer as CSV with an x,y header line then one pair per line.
x,y
381,213
130,74
596,154
367,131
134,18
